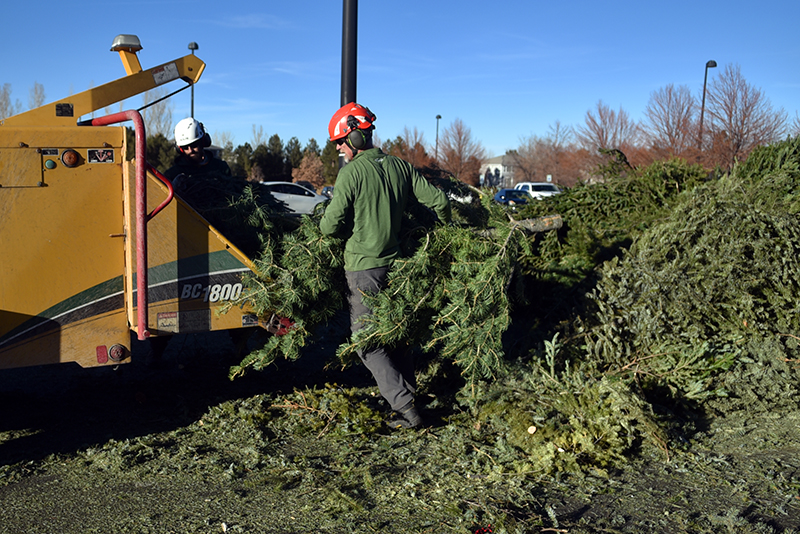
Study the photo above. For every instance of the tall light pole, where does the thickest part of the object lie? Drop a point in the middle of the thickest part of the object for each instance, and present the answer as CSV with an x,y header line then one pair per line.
x,y
193,46
437,136
710,64
349,56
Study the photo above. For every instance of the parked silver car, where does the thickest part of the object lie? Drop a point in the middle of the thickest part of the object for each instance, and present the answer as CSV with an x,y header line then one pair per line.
x,y
538,189
300,200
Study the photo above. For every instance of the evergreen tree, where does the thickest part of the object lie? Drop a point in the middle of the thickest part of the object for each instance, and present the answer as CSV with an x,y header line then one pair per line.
x,y
396,147
130,143
294,155
274,166
242,160
260,160
226,154
313,147
160,152
330,162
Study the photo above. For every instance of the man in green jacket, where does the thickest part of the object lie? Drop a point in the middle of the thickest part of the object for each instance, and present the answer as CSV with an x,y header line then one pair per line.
x,y
372,191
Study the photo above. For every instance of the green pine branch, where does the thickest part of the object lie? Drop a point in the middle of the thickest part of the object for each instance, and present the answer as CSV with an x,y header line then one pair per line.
x,y
449,291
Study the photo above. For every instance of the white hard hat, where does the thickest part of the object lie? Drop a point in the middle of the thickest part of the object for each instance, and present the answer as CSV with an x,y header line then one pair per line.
x,y
187,131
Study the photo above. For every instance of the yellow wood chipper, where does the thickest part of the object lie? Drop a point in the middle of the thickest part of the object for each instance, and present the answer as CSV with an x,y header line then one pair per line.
x,y
94,250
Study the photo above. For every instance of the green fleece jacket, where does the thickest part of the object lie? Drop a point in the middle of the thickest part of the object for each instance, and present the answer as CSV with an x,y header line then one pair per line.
x,y
371,193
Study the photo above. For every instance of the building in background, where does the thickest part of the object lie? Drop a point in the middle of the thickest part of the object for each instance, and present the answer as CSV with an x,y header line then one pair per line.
x,y
497,172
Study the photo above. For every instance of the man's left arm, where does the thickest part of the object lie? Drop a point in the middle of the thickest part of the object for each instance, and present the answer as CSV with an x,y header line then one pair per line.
x,y
333,219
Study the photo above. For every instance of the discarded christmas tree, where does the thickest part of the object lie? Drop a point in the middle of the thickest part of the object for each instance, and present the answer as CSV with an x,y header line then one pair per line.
x,y
451,294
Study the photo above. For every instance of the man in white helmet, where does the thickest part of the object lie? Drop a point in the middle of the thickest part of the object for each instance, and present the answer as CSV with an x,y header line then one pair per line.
x,y
194,161
205,183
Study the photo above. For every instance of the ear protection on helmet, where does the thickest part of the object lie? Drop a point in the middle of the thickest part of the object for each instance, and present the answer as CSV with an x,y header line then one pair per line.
x,y
205,142
356,138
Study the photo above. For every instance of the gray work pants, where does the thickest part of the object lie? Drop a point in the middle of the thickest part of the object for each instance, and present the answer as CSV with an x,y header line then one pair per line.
x,y
393,371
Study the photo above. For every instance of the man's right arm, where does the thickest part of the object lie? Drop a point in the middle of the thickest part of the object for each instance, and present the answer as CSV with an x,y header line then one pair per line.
x,y
431,197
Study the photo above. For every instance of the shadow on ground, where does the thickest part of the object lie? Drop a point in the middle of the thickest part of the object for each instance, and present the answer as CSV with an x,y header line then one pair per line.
x,y
63,408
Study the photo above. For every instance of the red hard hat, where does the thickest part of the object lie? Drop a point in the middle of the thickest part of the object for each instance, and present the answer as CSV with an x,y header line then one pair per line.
x,y
350,117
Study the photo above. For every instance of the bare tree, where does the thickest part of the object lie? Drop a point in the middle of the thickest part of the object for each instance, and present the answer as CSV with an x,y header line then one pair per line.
x,y
224,140
311,169
528,159
795,128
7,106
410,146
568,163
415,142
36,96
740,118
157,114
256,174
560,158
560,135
258,136
608,129
460,154
670,128
553,156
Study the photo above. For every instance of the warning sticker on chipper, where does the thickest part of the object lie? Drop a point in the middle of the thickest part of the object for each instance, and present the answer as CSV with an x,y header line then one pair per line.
x,y
165,73
168,321
249,320
100,155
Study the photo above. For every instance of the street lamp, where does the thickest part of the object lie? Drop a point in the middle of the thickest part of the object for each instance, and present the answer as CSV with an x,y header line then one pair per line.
x,y
193,46
437,136
710,64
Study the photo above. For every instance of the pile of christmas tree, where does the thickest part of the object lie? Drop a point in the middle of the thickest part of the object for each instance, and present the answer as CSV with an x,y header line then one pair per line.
x,y
664,286
685,301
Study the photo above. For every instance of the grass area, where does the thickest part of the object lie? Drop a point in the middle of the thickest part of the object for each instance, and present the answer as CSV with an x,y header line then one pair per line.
x,y
301,449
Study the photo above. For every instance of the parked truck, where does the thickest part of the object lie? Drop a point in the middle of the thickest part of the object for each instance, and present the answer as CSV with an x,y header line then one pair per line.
x,y
95,251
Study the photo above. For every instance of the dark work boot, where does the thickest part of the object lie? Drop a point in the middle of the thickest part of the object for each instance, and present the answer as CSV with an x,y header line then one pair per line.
x,y
406,417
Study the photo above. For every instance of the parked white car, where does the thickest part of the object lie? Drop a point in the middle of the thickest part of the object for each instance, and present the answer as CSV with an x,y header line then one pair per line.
x,y
538,189
300,200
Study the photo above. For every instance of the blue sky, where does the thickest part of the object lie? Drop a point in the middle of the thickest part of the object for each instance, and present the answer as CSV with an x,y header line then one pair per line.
x,y
508,70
